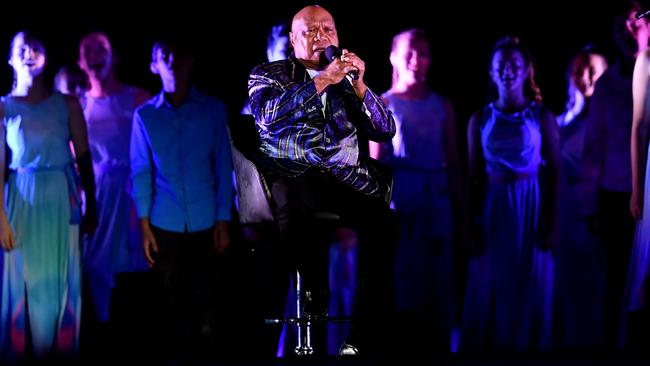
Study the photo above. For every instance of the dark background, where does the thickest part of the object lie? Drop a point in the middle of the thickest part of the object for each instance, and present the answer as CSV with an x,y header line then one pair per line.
x,y
230,42
230,39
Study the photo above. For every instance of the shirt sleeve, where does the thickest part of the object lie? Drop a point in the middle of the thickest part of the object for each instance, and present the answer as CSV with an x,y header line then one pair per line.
x,y
275,106
379,119
223,166
141,167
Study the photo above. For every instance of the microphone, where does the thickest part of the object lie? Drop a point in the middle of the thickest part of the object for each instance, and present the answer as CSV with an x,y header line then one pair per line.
x,y
332,52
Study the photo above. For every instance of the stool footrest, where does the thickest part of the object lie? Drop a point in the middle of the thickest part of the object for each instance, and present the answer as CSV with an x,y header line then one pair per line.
x,y
307,319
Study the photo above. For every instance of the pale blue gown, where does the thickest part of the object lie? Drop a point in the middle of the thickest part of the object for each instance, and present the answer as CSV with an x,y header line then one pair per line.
x,y
42,274
509,298
422,200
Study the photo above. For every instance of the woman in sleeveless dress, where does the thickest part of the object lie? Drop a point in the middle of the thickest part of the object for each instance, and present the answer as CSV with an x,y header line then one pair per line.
x,y
513,211
426,195
637,291
108,108
41,217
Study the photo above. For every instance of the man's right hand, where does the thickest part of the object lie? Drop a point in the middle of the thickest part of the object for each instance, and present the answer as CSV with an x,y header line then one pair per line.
x,y
337,70
148,241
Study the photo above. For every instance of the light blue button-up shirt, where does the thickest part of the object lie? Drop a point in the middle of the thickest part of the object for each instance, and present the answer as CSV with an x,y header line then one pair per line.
x,y
181,164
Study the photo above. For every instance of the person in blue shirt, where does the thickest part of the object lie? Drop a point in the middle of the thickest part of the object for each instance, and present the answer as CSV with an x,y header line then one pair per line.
x,y
181,170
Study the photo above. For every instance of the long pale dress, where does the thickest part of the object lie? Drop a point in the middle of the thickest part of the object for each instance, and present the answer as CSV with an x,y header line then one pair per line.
x,y
422,201
41,278
116,246
508,303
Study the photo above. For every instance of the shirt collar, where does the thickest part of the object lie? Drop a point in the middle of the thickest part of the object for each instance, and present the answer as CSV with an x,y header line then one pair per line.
x,y
192,96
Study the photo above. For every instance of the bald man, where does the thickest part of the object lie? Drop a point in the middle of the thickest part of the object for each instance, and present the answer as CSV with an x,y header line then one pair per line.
x,y
314,122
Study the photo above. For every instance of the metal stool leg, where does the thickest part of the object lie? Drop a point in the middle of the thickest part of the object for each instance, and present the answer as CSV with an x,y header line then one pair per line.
x,y
304,323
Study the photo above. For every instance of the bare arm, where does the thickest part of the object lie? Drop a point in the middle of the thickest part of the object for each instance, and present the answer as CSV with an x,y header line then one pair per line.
x,y
7,239
378,150
79,136
639,138
78,131
551,155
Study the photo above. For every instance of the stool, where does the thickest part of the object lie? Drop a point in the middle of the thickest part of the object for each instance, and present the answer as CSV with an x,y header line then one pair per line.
x,y
303,322
255,205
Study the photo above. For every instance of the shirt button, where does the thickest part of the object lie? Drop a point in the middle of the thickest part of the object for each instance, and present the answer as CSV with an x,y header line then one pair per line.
x,y
327,139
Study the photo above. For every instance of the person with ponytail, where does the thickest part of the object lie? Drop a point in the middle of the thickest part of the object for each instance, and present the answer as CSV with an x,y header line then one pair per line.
x,y
513,180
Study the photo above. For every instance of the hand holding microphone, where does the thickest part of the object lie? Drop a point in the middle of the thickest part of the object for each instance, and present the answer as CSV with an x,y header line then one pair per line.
x,y
332,52
343,61
342,64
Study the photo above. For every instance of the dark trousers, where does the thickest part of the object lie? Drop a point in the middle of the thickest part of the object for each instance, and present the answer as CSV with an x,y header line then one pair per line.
x,y
185,266
617,233
304,243
268,291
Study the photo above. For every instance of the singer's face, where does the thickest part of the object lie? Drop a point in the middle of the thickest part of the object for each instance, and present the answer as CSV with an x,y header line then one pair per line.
x,y
509,70
312,31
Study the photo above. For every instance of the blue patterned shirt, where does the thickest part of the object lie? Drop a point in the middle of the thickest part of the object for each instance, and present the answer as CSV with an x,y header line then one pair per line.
x,y
295,134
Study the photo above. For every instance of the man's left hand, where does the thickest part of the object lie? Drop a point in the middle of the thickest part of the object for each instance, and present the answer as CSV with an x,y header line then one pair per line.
x,y
221,236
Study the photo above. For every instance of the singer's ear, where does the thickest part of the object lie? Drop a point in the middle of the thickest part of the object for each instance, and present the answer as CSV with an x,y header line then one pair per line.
x,y
291,36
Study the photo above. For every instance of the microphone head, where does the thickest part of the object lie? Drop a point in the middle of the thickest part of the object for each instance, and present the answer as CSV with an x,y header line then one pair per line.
x,y
332,52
